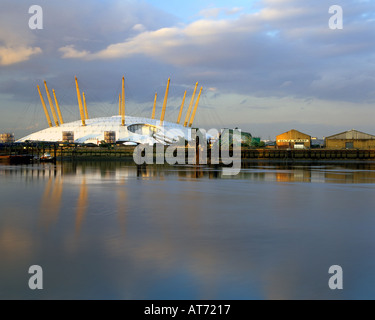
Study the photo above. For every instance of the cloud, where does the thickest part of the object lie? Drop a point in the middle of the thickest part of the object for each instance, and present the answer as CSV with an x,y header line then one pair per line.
x,y
275,14
69,52
234,10
17,41
280,47
216,12
210,12
15,55
269,49
139,27
190,44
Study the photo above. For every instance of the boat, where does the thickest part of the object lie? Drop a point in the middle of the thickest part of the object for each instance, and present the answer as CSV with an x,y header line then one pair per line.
x,y
47,158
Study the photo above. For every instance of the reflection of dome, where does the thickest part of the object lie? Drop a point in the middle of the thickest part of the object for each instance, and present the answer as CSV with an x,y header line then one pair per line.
x,y
139,130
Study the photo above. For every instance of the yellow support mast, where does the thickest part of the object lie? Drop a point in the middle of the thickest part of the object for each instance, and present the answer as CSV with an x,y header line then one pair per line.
x,y
190,106
80,104
154,108
182,107
45,109
195,108
123,103
51,105
85,106
165,103
58,107
119,104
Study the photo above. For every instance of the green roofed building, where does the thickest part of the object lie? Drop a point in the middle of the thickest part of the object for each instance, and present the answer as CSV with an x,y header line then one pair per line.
x,y
227,136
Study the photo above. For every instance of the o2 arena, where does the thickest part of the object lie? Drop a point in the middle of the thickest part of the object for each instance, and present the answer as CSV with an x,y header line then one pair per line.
x,y
115,129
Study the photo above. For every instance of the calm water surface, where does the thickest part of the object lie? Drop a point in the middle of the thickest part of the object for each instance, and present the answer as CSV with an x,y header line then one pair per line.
x,y
112,231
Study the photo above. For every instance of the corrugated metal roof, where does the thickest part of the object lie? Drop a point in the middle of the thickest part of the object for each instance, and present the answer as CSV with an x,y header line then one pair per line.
x,y
352,135
294,131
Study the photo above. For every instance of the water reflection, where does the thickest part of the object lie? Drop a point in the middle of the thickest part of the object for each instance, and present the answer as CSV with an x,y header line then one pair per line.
x,y
51,201
113,230
81,205
335,173
116,171
121,208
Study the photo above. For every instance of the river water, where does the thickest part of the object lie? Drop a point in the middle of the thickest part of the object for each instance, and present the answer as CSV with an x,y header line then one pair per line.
x,y
110,230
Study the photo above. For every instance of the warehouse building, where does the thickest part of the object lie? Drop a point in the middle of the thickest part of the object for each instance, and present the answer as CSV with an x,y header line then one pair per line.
x,y
293,139
352,139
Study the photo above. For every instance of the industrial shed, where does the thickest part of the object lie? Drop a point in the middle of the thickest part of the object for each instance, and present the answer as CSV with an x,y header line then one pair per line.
x,y
352,139
293,139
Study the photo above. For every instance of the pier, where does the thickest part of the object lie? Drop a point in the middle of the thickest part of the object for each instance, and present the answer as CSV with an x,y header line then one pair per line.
x,y
27,152
309,155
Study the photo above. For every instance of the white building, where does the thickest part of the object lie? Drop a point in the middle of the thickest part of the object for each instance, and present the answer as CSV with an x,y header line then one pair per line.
x,y
136,130
118,128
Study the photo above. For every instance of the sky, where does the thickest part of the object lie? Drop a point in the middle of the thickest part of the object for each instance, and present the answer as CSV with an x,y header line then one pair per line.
x,y
266,66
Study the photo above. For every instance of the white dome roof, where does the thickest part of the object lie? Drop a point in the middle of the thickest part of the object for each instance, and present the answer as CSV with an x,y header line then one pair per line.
x,y
95,128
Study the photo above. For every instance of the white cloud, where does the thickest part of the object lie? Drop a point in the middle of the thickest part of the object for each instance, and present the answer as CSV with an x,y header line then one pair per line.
x,y
12,55
210,12
216,12
69,52
180,45
274,14
139,27
17,41
234,10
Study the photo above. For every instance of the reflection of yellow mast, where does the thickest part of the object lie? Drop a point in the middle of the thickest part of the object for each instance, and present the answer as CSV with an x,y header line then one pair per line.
x,y
51,105
123,103
51,201
46,193
182,107
195,108
45,109
121,208
56,196
165,102
154,108
58,107
84,104
190,105
80,104
81,205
